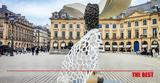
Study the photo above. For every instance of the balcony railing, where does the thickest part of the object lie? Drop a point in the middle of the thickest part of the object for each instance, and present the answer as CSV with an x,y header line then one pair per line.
x,y
107,38
154,36
55,38
144,36
114,38
121,38
70,37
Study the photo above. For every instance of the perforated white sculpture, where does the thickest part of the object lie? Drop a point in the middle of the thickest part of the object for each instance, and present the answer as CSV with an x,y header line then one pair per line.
x,y
83,56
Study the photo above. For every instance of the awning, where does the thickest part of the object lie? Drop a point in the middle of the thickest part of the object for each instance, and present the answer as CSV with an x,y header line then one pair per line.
x,y
55,45
121,46
115,46
107,46
128,46
144,46
154,46
63,45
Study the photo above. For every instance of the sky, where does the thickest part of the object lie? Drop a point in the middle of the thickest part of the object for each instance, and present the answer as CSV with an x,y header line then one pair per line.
x,y
39,11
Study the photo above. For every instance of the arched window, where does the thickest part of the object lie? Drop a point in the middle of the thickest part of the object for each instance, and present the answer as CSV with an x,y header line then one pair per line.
x,y
121,25
154,21
107,25
100,26
114,26
129,24
55,45
78,25
70,44
136,23
63,25
144,22
70,26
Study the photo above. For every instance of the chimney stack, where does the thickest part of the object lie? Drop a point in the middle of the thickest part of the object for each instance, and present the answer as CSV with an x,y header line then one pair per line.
x,y
4,7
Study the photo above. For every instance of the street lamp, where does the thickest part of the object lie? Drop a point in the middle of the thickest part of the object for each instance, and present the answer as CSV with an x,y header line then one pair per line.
x,y
38,37
12,20
141,37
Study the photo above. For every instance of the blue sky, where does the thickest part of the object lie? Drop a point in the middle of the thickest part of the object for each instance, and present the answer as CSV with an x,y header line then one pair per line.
x,y
39,11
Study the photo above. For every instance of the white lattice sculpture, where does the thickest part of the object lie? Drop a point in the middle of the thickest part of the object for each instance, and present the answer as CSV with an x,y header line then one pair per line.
x,y
82,57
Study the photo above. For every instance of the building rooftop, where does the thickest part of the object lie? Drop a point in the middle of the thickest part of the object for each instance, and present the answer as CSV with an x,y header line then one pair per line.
x,y
142,7
5,12
147,7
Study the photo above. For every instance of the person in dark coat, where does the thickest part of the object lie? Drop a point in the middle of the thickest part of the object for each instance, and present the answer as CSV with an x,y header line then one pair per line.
x,y
37,51
157,51
100,80
151,52
33,49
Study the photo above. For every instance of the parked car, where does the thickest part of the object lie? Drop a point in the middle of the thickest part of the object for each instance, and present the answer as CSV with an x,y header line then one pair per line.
x,y
5,50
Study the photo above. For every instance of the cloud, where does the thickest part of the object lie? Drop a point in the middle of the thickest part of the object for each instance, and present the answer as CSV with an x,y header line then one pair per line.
x,y
39,11
136,2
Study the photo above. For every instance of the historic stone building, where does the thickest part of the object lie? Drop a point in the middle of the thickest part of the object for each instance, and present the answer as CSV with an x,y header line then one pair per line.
x,y
23,30
137,28
42,36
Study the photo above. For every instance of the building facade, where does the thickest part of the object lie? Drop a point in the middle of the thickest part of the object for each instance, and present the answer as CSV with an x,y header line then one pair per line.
x,y
136,30
23,30
42,36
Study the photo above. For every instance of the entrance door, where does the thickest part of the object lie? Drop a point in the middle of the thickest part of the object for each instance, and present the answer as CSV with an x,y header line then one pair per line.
x,y
70,44
136,46
0,43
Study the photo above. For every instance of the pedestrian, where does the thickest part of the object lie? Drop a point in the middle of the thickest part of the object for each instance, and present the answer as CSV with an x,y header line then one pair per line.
x,y
100,79
37,51
156,52
25,50
153,52
41,49
33,49
48,49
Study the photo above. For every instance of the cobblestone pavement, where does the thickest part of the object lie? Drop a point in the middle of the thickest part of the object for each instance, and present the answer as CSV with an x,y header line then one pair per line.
x,y
107,61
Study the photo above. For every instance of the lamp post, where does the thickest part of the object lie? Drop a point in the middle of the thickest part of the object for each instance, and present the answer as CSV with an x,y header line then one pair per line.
x,y
38,37
12,20
141,37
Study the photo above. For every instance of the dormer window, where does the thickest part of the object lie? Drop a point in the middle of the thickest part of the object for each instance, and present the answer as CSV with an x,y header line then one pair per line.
x,y
56,16
63,16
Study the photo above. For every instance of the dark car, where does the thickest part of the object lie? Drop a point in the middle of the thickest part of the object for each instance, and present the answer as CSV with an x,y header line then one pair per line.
x,y
5,49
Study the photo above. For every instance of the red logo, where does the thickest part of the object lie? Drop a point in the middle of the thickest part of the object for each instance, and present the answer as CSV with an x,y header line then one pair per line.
x,y
145,74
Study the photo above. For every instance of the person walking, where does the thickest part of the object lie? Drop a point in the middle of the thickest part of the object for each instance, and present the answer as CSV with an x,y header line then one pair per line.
x,y
37,51
156,52
153,52
33,49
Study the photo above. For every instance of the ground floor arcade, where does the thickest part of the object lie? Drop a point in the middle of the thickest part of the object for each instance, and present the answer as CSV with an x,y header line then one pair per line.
x,y
17,44
117,45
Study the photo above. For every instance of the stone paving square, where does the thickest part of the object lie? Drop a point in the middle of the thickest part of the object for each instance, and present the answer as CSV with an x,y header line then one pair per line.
x,y
107,61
